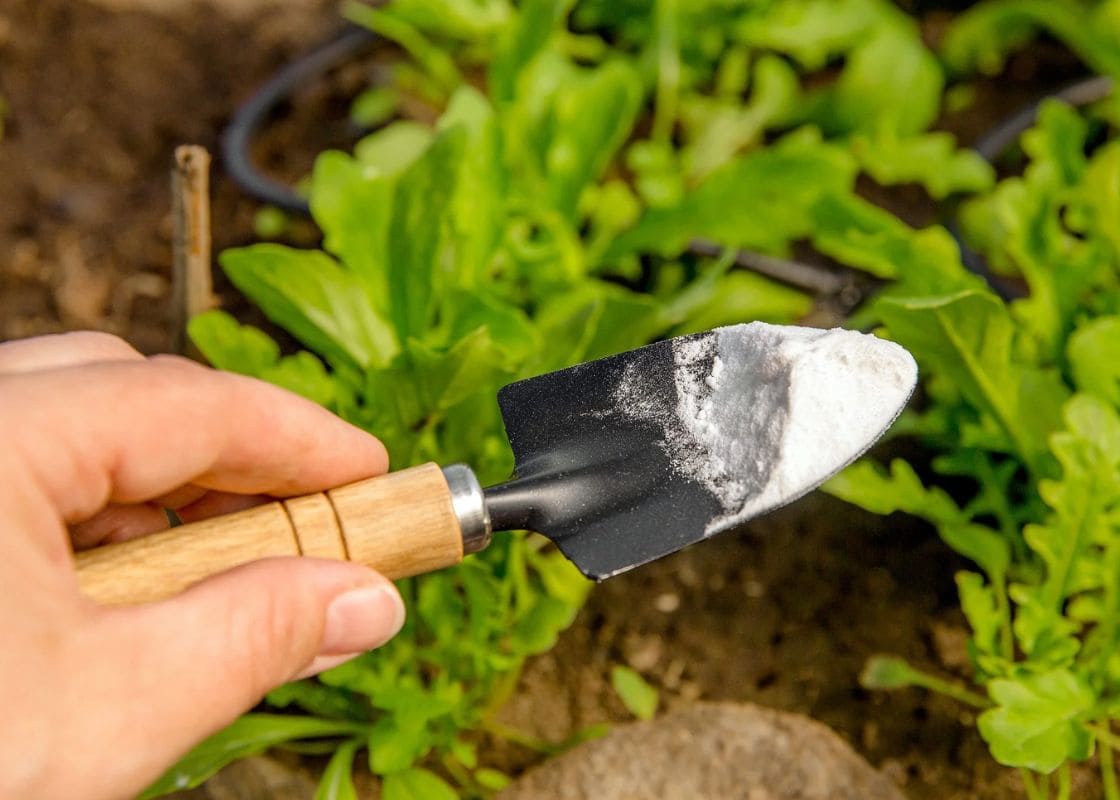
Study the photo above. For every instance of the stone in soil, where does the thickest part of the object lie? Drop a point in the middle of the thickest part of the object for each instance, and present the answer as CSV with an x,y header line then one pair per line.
x,y
710,751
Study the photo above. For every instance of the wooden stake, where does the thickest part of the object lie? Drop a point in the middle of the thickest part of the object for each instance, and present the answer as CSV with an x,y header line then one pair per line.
x,y
193,290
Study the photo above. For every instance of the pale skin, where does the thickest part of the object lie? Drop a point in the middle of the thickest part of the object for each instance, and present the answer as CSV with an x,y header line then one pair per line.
x,y
95,440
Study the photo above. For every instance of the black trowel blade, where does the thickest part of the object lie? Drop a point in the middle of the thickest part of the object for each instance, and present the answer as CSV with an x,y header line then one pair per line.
x,y
626,459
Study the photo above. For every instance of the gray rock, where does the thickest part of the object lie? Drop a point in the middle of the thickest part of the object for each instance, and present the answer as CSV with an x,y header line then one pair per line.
x,y
710,751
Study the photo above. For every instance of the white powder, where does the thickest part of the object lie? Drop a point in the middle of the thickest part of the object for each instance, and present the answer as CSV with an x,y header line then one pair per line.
x,y
765,413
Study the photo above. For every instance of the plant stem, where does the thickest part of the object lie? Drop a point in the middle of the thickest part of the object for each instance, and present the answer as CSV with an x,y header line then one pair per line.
x,y
1065,781
1003,607
511,734
668,71
438,64
1032,789
1108,771
456,770
949,689
1104,735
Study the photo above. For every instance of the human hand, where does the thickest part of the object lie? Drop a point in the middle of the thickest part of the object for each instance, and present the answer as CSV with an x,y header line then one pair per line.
x,y
95,440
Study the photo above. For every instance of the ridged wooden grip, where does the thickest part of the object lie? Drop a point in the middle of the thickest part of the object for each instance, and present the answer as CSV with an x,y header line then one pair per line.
x,y
400,524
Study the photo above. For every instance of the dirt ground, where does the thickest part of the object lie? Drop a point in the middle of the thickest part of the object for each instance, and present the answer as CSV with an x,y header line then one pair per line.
x,y
784,615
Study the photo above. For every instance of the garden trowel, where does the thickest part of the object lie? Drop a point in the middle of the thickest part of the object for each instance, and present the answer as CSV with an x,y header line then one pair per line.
x,y
618,461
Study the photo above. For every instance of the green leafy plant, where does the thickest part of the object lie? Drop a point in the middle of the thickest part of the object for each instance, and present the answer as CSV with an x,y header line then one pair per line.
x,y
547,220
983,37
1024,401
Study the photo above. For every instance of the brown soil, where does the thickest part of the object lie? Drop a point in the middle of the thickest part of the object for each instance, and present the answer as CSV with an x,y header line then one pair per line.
x,y
97,102
784,615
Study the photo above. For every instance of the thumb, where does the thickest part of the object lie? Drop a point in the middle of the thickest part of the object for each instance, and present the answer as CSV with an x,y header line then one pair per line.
x,y
188,666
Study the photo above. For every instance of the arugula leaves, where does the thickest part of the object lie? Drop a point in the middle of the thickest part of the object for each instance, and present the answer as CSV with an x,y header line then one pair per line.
x,y
1024,400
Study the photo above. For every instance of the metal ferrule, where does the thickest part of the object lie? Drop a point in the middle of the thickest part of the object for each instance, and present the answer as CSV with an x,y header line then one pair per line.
x,y
469,504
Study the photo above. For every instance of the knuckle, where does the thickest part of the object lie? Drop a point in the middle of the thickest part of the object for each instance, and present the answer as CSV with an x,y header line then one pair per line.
x,y
101,344
173,362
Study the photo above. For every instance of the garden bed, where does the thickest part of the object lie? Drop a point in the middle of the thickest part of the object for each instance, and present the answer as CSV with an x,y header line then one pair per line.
x,y
784,614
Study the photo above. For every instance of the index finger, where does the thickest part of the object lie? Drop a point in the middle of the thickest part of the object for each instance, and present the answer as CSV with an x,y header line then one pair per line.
x,y
128,432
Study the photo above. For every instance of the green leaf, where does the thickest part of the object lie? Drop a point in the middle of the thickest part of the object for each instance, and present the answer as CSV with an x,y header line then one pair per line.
x,y
560,578
231,346
862,235
887,672
812,31
465,20
743,296
1094,357
445,378
394,747
867,486
437,63
252,734
985,35
930,159
537,631
336,783
418,232
320,700
1031,225
759,201
537,22
639,697
305,375
492,779
1089,453
309,294
1035,723
891,85
416,784
593,320
581,144
249,351
479,215
967,338
352,206
466,753
375,106
392,149
1098,190
270,222
981,608
719,129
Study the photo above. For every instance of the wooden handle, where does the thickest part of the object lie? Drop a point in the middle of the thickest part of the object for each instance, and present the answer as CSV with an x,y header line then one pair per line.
x,y
400,524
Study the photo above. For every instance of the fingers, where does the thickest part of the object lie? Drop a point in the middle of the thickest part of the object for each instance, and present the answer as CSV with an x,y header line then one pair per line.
x,y
119,523
202,658
130,432
213,504
64,350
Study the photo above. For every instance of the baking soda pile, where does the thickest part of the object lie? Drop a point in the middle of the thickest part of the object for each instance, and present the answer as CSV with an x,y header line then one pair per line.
x,y
765,413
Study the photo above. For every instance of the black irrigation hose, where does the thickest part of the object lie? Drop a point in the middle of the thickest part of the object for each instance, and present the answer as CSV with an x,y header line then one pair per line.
x,y
250,117
992,145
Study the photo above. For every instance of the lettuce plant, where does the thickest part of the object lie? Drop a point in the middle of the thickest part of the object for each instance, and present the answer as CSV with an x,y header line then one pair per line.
x,y
1024,402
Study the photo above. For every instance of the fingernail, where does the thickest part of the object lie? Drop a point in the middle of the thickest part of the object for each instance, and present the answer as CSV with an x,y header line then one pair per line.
x,y
362,619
